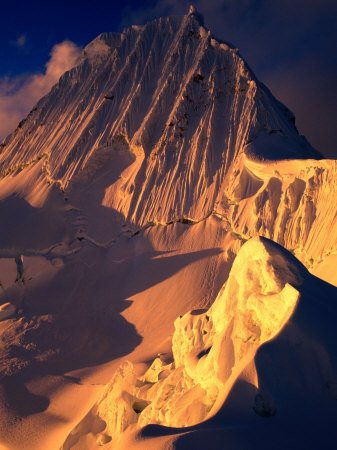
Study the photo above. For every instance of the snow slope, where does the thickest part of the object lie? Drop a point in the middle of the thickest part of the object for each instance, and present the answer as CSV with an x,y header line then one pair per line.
x,y
263,356
125,197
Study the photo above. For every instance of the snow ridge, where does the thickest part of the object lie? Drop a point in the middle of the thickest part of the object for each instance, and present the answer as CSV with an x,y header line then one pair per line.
x,y
216,349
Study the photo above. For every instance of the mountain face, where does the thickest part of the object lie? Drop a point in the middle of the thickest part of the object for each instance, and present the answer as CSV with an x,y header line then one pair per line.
x,y
181,104
125,196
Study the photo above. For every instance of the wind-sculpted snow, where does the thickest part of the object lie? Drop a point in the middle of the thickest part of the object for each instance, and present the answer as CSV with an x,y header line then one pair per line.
x,y
180,119
265,299
291,202
186,104
184,126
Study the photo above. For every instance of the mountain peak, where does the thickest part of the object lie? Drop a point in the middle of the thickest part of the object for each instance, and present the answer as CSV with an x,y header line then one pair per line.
x,y
195,13
185,105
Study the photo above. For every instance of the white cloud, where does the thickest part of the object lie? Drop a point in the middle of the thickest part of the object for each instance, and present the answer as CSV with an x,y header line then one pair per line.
x,y
18,95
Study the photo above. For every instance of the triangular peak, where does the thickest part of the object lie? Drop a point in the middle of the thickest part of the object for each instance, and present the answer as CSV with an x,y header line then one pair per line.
x,y
194,12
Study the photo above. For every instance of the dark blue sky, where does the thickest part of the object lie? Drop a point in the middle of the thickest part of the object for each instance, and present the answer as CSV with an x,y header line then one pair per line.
x,y
46,23
290,44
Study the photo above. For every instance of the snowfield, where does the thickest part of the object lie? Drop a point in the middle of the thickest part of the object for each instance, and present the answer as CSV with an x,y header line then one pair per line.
x,y
167,257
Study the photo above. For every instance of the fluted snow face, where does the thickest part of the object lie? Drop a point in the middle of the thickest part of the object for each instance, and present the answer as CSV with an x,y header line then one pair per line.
x,y
185,104
291,202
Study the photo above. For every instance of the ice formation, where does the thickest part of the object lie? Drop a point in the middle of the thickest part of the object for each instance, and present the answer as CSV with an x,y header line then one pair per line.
x,y
215,349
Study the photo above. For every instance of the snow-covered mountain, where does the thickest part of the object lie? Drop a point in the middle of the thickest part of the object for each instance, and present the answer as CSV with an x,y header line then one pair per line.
x,y
125,196
183,105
